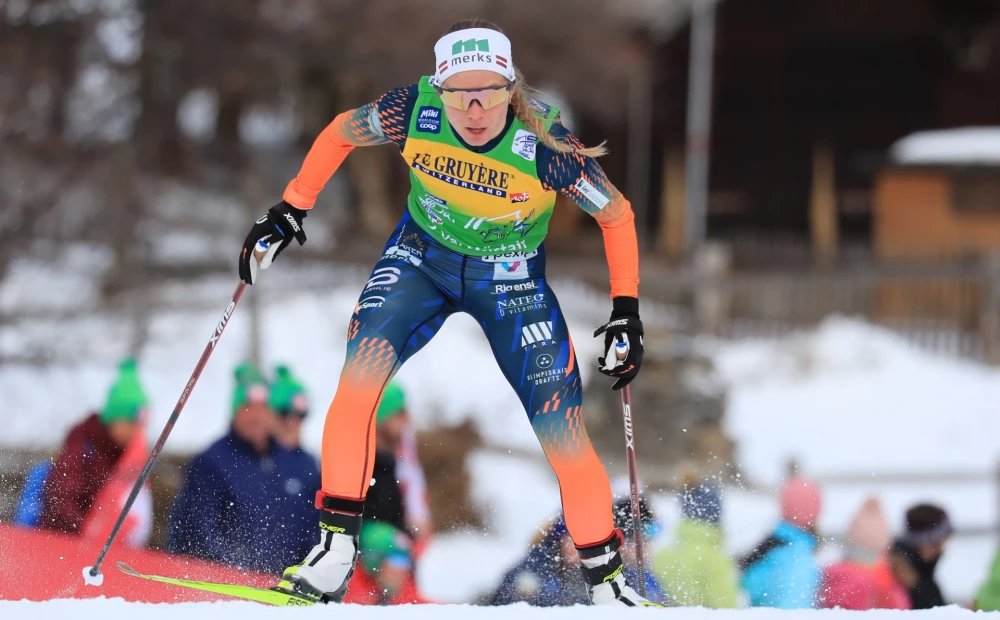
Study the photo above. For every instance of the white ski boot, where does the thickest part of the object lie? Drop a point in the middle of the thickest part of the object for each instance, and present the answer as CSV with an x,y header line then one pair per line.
x,y
324,574
603,572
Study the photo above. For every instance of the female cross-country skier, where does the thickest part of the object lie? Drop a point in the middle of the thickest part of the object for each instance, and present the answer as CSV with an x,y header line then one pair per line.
x,y
485,164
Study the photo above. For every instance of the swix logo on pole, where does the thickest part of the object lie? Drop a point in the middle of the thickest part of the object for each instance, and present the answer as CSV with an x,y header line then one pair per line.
x,y
628,428
222,322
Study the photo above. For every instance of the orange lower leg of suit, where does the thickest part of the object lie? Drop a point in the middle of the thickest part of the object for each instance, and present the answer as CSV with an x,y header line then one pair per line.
x,y
545,374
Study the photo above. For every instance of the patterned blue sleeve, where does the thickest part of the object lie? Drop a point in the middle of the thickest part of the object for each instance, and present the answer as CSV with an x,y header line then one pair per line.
x,y
394,110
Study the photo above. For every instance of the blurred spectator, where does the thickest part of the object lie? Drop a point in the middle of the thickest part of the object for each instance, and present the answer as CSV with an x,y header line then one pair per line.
x,y
915,556
290,404
549,576
695,568
782,571
399,495
247,501
386,576
650,530
864,579
30,504
88,457
988,597
110,500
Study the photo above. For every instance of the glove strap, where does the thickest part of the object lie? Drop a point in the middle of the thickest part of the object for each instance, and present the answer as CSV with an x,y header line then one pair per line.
x,y
624,306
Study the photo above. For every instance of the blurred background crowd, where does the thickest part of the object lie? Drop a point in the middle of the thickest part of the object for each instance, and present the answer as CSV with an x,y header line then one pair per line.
x,y
816,186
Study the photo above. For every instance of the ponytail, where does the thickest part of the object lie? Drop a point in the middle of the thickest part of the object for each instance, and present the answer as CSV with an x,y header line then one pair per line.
x,y
524,111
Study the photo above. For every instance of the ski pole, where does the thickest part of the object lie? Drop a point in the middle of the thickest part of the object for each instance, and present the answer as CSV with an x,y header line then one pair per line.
x,y
92,574
633,479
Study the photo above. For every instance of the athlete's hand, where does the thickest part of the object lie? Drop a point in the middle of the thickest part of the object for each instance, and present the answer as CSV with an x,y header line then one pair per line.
x,y
269,236
622,342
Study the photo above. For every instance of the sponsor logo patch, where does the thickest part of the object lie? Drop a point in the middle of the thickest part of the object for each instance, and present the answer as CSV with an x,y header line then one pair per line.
x,y
510,271
503,289
520,304
536,333
429,119
382,278
525,144
591,193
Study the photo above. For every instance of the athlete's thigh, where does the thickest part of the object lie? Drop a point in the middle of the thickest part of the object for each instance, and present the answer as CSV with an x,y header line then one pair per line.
x,y
399,310
530,340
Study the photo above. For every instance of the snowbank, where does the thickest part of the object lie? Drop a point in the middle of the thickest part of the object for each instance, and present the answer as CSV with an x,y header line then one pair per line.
x,y
41,403
116,609
966,146
851,398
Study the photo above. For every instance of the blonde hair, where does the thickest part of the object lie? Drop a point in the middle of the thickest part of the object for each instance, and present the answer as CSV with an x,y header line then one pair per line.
x,y
525,112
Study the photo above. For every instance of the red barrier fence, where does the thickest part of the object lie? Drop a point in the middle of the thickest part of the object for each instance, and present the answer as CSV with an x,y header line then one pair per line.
x,y
39,565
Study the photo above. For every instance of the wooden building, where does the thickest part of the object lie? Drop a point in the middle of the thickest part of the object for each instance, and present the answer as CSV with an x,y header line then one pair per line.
x,y
809,95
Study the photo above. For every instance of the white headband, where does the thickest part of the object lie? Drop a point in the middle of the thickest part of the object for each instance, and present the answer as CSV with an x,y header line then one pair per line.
x,y
472,49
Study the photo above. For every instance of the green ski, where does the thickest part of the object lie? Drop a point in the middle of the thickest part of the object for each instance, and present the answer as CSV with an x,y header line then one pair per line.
x,y
247,593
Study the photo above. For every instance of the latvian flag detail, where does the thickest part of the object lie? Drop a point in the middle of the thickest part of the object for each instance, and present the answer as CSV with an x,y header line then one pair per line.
x,y
502,61
442,66
536,332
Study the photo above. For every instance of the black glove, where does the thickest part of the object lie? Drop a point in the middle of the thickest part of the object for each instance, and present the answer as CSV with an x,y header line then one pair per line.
x,y
269,236
622,342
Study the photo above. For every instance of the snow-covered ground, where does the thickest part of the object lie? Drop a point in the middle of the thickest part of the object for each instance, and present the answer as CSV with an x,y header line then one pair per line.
x,y
844,399
116,609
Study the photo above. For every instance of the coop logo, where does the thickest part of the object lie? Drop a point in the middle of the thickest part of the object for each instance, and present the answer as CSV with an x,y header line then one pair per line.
x,y
502,289
222,322
369,303
429,120
521,304
467,175
382,278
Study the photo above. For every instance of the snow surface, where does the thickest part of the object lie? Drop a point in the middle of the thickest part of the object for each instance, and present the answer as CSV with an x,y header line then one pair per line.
x,y
969,146
117,609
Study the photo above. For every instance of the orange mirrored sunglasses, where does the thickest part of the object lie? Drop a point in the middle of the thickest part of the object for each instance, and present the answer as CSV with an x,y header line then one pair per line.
x,y
487,97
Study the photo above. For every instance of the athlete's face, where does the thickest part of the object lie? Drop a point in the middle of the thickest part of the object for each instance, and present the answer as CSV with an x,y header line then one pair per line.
x,y
476,125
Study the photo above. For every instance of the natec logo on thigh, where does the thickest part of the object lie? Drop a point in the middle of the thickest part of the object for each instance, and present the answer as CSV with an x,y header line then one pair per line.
x,y
503,289
519,305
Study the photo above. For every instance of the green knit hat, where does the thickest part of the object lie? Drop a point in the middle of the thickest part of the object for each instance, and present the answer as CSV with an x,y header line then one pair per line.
x,y
126,398
251,387
381,542
288,395
393,403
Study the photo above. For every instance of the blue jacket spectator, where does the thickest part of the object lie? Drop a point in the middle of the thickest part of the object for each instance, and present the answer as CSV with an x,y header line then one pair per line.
x,y
247,501
782,571
30,506
550,575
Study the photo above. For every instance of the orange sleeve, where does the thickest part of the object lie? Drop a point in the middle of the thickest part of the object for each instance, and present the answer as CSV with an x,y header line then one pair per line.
x,y
622,249
582,180
327,153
